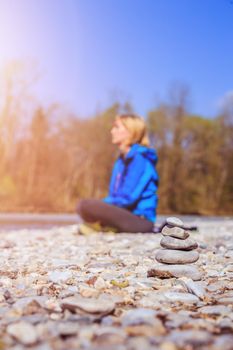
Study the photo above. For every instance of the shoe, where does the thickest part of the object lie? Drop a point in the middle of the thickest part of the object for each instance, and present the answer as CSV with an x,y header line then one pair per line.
x,y
156,229
88,229
109,229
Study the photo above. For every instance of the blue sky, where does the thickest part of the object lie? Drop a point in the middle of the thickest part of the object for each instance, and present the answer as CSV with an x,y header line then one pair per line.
x,y
91,52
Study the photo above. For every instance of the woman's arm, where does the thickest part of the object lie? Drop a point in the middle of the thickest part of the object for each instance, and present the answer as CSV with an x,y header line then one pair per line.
x,y
139,172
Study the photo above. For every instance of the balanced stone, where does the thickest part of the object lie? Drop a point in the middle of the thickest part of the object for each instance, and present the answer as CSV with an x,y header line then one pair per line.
x,y
173,221
176,232
168,271
179,244
176,256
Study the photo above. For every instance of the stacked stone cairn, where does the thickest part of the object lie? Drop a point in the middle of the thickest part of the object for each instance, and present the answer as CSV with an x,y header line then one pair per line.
x,y
177,253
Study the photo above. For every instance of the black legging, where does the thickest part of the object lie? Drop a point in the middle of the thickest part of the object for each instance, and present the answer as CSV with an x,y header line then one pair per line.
x,y
94,210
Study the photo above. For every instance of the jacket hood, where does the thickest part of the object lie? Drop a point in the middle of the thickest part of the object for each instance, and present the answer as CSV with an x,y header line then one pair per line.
x,y
147,152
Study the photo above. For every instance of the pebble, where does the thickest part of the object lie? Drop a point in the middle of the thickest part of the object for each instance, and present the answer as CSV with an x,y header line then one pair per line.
x,y
194,338
59,276
138,316
143,330
109,336
224,342
67,328
176,257
217,286
229,254
229,268
228,300
202,245
89,305
181,297
24,332
151,301
100,283
88,292
215,310
168,345
197,288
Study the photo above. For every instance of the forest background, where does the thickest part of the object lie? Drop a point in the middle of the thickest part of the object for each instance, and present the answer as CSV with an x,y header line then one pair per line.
x,y
50,158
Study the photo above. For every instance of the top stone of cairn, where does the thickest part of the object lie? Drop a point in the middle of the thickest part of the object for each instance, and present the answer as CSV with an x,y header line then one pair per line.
x,y
173,221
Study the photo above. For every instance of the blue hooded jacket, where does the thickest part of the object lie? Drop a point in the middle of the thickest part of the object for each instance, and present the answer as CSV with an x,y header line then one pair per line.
x,y
134,182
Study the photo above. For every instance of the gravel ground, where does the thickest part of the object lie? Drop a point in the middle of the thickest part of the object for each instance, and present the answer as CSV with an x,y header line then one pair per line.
x,y
61,290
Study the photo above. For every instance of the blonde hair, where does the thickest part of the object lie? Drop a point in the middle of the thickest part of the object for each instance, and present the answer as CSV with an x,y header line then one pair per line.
x,y
137,128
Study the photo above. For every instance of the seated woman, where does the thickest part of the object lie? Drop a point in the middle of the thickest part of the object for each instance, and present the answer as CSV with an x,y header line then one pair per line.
x,y
132,200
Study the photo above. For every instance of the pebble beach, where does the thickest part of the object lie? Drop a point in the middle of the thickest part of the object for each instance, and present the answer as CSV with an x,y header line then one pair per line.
x,y
61,290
